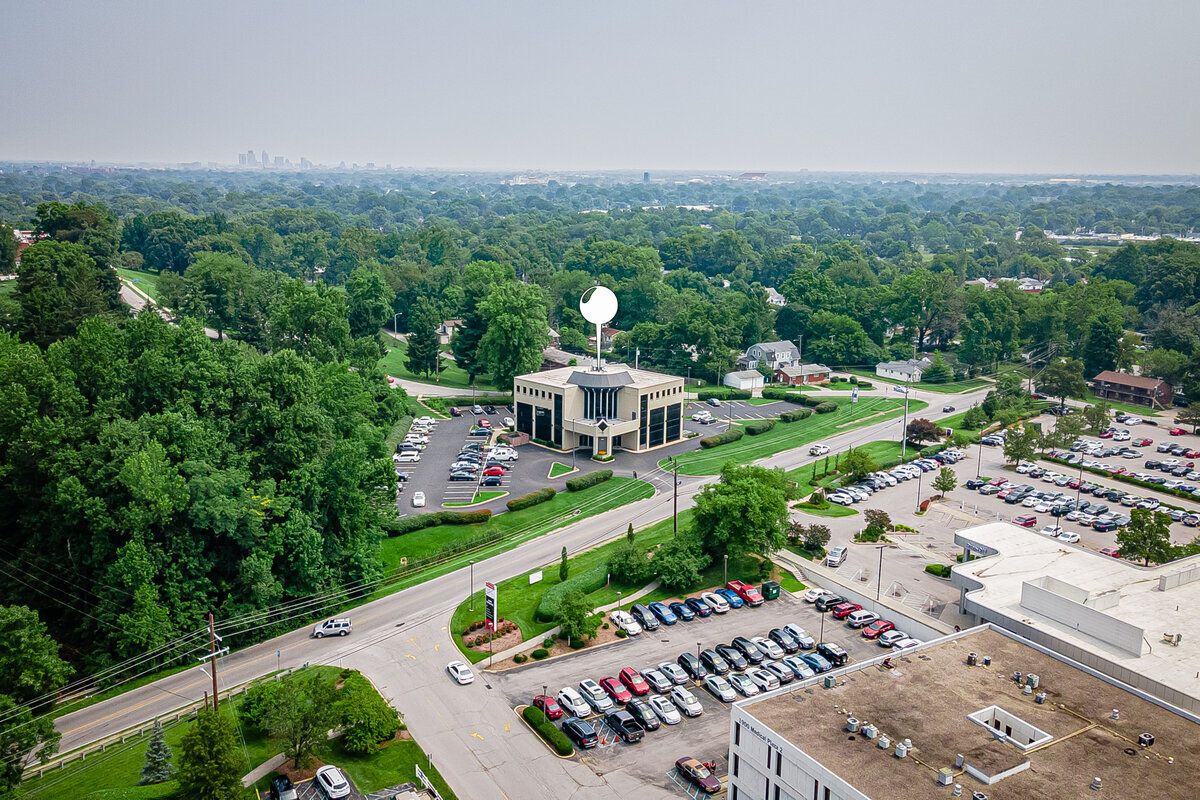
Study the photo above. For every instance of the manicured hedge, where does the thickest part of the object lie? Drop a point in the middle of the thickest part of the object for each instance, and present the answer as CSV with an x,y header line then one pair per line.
x,y
399,527
826,408
548,731
796,416
539,654
759,426
720,394
591,479
940,570
531,499
866,385
586,582
731,435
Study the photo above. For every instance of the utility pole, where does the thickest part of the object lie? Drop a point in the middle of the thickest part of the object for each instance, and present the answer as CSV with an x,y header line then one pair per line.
x,y
675,504
904,429
879,575
212,656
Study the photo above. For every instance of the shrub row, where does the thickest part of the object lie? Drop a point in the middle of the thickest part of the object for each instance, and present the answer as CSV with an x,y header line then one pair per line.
x,y
796,416
548,731
588,480
759,426
399,527
586,582
940,570
826,408
722,394
1126,479
531,499
731,435
539,654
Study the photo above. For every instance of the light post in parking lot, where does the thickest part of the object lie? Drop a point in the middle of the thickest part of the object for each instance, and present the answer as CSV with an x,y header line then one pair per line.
x,y
979,461
726,568
919,476
822,639
618,599
697,651
544,704
879,574
675,502
472,592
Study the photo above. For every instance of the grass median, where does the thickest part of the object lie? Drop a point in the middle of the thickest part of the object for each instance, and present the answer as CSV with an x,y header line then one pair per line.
x,y
785,436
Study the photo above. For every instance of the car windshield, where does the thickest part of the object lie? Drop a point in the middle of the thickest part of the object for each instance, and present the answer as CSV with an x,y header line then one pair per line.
x,y
700,771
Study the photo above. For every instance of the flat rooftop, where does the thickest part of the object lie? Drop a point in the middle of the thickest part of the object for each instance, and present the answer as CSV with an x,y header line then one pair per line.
x,y
1133,597
637,378
930,691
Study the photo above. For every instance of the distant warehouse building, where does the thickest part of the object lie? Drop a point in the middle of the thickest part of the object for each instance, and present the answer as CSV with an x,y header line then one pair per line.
x,y
1134,389
977,714
607,409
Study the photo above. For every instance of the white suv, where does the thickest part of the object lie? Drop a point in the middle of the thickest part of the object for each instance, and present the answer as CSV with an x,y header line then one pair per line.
x,y
333,627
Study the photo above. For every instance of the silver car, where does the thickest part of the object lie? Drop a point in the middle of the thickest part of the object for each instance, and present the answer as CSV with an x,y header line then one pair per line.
x,y
686,702
665,709
658,681
674,672
743,684
719,688
595,696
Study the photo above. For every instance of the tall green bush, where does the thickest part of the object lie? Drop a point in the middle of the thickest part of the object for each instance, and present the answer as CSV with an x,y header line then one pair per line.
x,y
590,479
531,499
585,582
548,731
759,426
731,435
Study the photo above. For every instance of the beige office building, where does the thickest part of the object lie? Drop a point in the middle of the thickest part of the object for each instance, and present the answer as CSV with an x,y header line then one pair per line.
x,y
613,408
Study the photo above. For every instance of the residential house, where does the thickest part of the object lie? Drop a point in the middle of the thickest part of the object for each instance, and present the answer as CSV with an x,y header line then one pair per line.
x,y
984,282
606,339
775,298
802,374
910,370
1148,392
447,329
744,380
773,354
554,339
1032,285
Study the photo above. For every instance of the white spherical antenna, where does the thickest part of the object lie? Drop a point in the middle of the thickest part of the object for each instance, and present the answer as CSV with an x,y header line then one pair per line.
x,y
598,305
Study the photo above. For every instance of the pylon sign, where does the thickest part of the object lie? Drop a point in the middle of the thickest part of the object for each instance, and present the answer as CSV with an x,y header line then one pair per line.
x,y
489,605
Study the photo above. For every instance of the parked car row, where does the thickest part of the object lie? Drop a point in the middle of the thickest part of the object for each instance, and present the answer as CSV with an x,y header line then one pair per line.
x,y
479,462
735,594
873,627
876,481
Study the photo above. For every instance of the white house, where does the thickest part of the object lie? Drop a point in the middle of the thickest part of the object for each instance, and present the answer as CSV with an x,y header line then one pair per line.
x,y
773,354
744,380
910,370
775,298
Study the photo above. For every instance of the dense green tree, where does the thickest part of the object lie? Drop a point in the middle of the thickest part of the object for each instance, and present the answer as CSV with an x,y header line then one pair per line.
x,y
516,331
424,346
1020,445
8,250
1146,537
157,767
209,763
1167,365
305,708
679,562
58,286
990,326
310,321
856,465
1102,344
1062,378
838,339
369,301
217,289
946,481
975,418
744,512
91,226
574,616
365,717
939,371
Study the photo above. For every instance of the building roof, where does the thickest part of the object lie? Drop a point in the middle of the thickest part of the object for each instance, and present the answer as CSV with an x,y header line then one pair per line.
x,y
744,373
782,346
1125,379
637,378
911,367
1128,597
928,696
803,369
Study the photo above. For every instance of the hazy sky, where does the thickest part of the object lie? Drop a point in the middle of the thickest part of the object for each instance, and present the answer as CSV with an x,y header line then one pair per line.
x,y
964,86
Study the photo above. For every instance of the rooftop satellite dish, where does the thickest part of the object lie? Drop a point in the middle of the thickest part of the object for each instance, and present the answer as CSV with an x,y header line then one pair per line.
x,y
598,305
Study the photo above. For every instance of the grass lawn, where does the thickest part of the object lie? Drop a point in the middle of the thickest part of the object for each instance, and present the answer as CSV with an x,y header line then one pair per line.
x,y
785,436
827,510
146,281
1140,411
450,373
957,387
515,527
558,468
762,401
480,497
789,582
390,766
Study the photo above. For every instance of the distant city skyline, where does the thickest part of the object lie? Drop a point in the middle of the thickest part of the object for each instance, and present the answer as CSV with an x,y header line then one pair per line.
x,y
925,87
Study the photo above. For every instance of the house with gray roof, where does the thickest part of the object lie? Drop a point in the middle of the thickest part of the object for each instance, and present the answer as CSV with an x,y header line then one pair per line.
x,y
910,370
773,354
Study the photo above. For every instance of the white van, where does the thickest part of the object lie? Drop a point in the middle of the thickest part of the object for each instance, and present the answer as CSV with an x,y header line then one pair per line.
x,y
836,557
860,619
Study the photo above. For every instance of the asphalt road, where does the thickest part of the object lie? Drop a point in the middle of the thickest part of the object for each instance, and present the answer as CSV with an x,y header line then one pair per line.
x,y
401,642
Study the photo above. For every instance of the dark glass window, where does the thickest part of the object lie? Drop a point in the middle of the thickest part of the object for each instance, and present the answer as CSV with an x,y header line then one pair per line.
x,y
674,422
657,426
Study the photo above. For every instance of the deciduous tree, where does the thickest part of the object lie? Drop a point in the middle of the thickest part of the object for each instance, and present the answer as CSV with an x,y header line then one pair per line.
x,y
1062,378
1147,536
744,512
516,331
209,763
303,712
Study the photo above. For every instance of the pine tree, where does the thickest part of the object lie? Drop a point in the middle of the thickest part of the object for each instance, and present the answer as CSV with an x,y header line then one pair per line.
x,y
562,568
629,534
158,758
423,342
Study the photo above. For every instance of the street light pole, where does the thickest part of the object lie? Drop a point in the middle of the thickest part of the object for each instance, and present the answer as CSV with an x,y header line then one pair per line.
x,y
472,592
904,429
544,702
879,574
979,461
675,502
822,640
919,476
726,568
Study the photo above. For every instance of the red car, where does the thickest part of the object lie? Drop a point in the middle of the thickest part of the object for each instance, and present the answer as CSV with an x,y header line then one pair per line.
x,y
545,703
698,774
1026,521
1192,454
878,628
1142,442
1074,484
1106,434
845,609
615,689
1177,431
497,471
455,411
1110,551
485,423
634,681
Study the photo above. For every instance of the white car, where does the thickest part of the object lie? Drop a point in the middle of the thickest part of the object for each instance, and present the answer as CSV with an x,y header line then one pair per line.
x,y
573,703
905,644
1149,504
407,457
504,455
1051,530
807,642
840,499
674,672
418,500
625,621
509,422
460,672
743,684
892,637
818,450
426,420
719,688
718,604
333,782
768,648
812,594
1134,420
595,696
686,702
764,680
416,438
1070,537
665,709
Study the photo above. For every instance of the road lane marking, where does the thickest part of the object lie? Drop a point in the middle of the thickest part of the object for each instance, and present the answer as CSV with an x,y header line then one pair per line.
x,y
477,736
507,727
410,655
437,647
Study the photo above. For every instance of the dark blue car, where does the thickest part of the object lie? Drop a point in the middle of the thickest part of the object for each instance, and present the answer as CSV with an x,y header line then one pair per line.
x,y
682,611
817,662
701,608
664,614
731,597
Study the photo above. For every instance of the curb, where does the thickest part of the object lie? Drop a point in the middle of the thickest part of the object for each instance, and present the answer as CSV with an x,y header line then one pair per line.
x,y
519,712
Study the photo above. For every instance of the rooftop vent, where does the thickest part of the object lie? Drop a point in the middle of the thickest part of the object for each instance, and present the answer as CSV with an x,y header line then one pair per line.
x,y
1096,784
1146,739
852,724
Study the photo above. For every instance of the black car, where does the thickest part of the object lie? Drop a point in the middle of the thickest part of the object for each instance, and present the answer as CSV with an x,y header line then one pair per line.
x,y
693,666
490,480
1153,463
713,662
699,607
642,714
462,475
403,476
1105,525
509,407
624,725
282,789
748,648
833,653
489,409
975,483
784,639
1100,491
683,611
580,732
479,432
828,601
732,656
644,616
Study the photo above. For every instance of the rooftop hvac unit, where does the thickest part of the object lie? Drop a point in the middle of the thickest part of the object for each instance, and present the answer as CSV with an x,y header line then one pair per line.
x,y
884,742
972,659
852,724
945,776
1032,680
987,661
978,796
1146,739
869,730
901,751
1027,689
1017,676
829,682
1039,698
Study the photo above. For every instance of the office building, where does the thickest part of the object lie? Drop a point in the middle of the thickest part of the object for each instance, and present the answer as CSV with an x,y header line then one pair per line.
x,y
266,161
977,714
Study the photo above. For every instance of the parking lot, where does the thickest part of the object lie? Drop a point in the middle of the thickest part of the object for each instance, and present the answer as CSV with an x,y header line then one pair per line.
x,y
704,737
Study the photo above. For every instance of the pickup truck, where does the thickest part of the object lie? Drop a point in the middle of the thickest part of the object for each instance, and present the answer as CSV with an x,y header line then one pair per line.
x,y
747,592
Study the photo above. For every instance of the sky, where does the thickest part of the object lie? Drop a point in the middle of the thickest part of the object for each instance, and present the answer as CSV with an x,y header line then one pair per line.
x,y
1047,87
